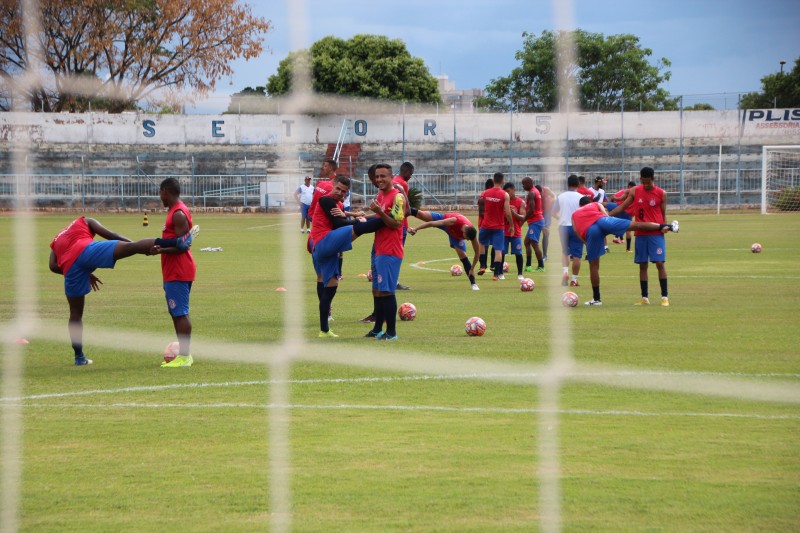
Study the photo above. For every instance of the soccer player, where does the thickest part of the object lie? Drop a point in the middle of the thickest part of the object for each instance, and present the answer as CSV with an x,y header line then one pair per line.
x,y
566,203
76,255
512,235
332,234
534,214
592,224
496,211
178,270
486,186
402,179
597,190
583,189
303,196
325,184
649,204
459,230
390,206
548,198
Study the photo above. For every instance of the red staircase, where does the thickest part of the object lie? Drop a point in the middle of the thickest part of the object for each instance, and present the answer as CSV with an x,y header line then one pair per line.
x,y
348,158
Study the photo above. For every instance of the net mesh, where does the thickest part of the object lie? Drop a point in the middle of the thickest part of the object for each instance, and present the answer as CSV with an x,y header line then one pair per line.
x,y
781,179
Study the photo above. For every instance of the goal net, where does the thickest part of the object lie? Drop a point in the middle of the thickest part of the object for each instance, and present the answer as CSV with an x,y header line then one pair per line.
x,y
780,179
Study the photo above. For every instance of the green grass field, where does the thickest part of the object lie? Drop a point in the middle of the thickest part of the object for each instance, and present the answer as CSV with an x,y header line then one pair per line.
x,y
124,445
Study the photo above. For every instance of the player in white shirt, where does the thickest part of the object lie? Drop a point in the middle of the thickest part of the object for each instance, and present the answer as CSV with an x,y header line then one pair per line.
x,y
567,203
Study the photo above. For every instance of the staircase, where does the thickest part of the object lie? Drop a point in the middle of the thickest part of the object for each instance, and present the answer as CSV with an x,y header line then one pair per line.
x,y
348,157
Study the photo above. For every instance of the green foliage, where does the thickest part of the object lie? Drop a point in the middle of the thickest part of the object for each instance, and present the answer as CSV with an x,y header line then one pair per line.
x,y
610,72
365,65
699,107
788,199
781,89
415,197
248,100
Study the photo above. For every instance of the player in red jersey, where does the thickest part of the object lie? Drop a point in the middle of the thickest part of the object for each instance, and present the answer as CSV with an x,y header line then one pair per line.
x,y
592,223
649,204
390,206
486,186
496,211
459,230
178,270
534,214
325,184
512,235
75,254
583,189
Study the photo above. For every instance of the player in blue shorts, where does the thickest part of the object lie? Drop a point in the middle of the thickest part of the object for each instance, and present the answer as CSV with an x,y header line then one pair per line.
x,y
459,230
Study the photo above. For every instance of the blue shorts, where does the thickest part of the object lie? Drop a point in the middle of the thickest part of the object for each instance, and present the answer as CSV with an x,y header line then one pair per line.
x,y
304,211
98,254
571,244
492,237
650,249
610,206
177,294
326,252
535,230
596,234
458,244
512,245
386,273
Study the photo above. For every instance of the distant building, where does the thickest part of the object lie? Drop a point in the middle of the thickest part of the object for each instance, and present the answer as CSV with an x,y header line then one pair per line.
x,y
462,99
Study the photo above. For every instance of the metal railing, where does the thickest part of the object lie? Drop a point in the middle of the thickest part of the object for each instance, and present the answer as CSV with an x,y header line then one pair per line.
x,y
135,191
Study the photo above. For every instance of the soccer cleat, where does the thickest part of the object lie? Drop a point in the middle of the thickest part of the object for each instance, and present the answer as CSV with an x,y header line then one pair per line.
x,y
370,319
403,287
482,271
475,287
372,334
664,301
520,277
574,283
675,227
185,241
386,337
327,335
501,277
82,360
594,302
617,240
528,269
606,249
495,278
565,280
181,360
539,269
644,301
628,252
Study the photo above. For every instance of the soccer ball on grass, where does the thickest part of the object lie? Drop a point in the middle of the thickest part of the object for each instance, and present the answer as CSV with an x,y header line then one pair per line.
x,y
407,312
569,299
526,285
475,326
756,248
456,270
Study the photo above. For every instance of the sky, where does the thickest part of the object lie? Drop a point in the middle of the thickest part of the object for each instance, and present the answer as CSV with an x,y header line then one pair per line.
x,y
715,46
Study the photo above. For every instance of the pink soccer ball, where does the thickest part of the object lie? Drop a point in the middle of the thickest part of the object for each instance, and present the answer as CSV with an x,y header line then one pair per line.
x,y
456,270
527,285
171,351
505,266
569,299
407,312
756,248
369,275
475,326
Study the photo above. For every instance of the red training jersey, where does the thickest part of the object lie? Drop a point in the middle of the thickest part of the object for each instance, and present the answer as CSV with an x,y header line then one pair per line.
x,y
647,207
515,228
323,188
456,231
177,267
538,210
494,214
584,217
70,243
322,225
389,241
585,191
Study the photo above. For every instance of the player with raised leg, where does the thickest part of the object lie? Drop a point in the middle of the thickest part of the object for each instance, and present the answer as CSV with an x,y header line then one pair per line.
x,y
459,230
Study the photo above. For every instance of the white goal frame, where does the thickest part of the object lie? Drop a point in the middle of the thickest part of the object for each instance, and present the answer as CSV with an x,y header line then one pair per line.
x,y
765,151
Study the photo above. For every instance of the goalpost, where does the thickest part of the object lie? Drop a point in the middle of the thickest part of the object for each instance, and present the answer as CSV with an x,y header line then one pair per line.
x,y
780,179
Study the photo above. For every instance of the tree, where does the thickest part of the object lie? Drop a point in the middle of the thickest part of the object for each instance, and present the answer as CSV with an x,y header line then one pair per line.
x,y
777,90
609,72
117,53
699,107
365,65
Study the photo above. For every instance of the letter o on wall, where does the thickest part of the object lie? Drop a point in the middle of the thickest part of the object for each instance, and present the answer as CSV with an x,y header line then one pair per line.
x,y
360,127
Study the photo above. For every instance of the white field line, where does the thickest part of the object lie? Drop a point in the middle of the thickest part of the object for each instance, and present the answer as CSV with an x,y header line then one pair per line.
x,y
434,408
388,379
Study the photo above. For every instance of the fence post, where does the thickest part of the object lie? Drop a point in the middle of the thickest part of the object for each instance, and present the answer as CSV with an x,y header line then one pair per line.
x,y
683,196
245,181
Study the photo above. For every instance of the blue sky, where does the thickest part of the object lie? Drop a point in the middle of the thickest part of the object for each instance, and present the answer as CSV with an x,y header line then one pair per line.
x,y
715,46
